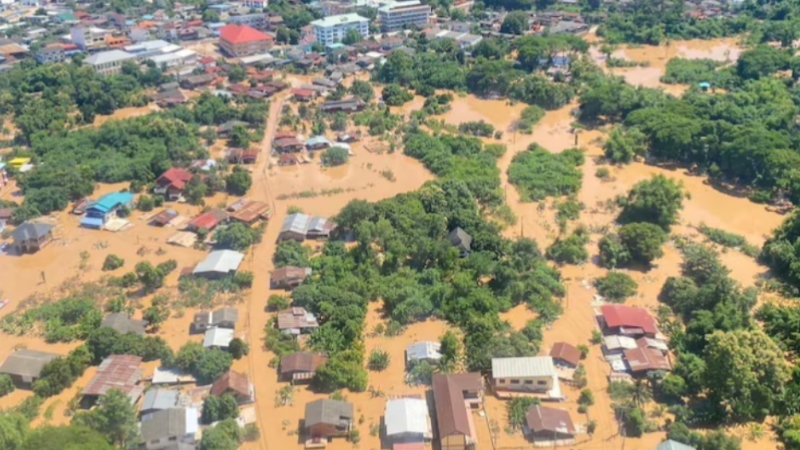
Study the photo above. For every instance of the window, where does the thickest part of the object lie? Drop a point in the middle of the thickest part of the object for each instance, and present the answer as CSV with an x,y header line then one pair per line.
x,y
528,381
541,382
501,381
514,381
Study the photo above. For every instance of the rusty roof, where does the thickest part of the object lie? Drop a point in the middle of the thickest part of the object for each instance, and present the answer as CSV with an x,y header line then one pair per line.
x,y
121,372
289,273
567,352
302,362
209,219
296,318
231,381
251,211
451,411
165,216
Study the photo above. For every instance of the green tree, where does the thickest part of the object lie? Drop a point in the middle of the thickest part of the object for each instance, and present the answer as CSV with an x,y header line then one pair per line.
x,y
450,349
292,253
240,137
145,203
195,190
745,374
612,252
237,74
378,360
335,156
216,408
237,236
13,428
277,303
656,201
6,385
112,262
238,348
517,409
151,277
224,436
114,417
642,241
351,37
515,22
239,181
623,145
616,286
570,250
362,90
394,95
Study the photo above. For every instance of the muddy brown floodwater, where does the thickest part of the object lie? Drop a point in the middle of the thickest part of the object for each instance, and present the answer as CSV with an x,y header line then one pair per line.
x,y
375,176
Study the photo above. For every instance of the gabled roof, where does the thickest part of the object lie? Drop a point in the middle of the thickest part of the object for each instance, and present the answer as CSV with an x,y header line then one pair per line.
x,y
423,350
540,418
407,415
31,230
459,238
231,381
123,323
225,315
294,318
218,337
110,201
27,363
175,176
121,372
158,399
327,411
625,316
302,362
241,34
567,352
290,273
209,219
451,411
169,422
220,261
530,366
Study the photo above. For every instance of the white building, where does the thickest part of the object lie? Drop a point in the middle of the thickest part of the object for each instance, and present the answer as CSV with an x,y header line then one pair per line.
x,y
333,29
110,62
88,38
395,16
50,53
407,420
255,4
181,58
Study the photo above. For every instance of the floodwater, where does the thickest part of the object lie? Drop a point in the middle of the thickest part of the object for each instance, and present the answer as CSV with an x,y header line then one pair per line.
x,y
725,50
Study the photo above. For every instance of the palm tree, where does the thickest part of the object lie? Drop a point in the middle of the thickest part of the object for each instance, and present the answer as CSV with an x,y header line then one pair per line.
x,y
641,393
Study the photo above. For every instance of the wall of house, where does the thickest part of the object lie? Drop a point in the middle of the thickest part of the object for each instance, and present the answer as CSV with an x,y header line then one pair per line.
x,y
528,384
453,442
322,430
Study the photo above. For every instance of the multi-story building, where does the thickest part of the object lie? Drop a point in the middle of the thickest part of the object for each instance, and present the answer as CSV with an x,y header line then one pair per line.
x,y
89,38
110,62
50,53
399,15
333,29
256,20
241,40
255,4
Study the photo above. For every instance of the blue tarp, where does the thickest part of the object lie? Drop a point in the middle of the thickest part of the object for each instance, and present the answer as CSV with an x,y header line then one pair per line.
x,y
92,222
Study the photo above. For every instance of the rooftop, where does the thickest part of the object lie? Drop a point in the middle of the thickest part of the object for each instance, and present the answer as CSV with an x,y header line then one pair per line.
x,y
407,415
110,56
218,337
626,316
327,411
220,261
121,372
530,366
123,323
302,362
157,399
448,395
241,34
169,422
27,363
31,230
540,418
341,19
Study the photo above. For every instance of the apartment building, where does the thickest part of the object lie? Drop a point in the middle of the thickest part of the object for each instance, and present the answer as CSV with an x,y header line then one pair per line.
x,y
89,38
110,62
330,30
50,53
255,4
255,20
399,15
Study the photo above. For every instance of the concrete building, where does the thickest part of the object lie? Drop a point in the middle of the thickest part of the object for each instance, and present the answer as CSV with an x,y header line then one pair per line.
x,y
395,16
30,237
182,58
328,418
25,366
333,29
256,20
170,428
242,40
534,374
50,53
110,62
256,4
407,420
453,397
219,264
89,38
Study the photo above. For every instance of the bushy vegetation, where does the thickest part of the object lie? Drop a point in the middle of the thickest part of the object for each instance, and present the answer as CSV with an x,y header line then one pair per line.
x,y
694,71
616,287
728,239
537,173
206,364
623,145
335,156
112,262
529,117
572,249
477,128
216,408
237,236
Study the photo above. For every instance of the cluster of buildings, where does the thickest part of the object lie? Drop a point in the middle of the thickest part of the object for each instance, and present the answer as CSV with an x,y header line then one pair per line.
x,y
632,343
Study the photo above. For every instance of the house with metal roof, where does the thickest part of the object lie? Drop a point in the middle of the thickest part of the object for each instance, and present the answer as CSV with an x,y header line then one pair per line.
x,y
627,321
100,211
208,220
317,143
288,277
170,428
124,324
158,400
453,394
122,372
25,366
300,366
296,321
299,227
109,62
549,427
407,420
565,355
219,264
172,182
30,237
423,351
237,384
218,337
533,374
327,418
221,318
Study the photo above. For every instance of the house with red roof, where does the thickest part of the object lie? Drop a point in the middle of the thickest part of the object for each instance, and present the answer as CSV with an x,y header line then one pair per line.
x,y
241,40
627,321
208,220
171,183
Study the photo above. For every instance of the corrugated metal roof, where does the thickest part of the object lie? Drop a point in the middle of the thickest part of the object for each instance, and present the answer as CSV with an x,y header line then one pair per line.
x,y
296,222
673,445
158,399
531,366
220,261
423,350
121,372
407,415
27,363
169,422
218,337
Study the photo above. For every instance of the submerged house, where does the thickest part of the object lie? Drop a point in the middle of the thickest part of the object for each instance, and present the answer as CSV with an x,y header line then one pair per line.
x,y
25,366
296,321
219,264
288,277
221,318
453,395
407,421
549,426
300,366
30,237
328,418
299,227
533,374
99,212
460,240
172,182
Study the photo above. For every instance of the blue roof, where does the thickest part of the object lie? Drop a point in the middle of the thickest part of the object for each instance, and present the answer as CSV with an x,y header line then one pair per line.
x,y
705,84
147,17
316,140
335,45
108,202
221,7
216,25
92,222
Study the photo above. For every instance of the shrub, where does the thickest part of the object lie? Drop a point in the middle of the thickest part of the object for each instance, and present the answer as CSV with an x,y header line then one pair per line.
x,y
238,348
112,262
6,385
277,302
145,203
538,173
616,286
378,360
586,398
335,156
603,173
